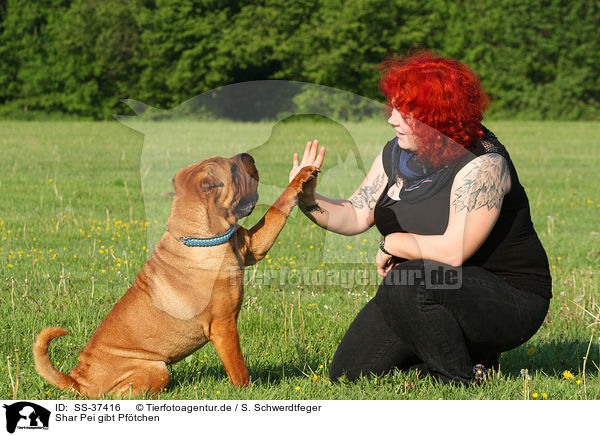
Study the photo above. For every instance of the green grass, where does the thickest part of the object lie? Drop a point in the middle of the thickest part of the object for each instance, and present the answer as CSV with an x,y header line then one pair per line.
x,y
73,221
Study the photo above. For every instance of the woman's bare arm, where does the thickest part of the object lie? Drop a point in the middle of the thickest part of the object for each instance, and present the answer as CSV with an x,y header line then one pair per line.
x,y
475,203
353,215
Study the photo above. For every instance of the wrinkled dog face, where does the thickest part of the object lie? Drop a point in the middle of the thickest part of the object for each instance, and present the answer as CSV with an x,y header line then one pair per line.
x,y
227,187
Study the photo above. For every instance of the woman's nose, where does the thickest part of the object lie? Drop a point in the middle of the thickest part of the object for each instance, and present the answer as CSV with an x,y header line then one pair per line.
x,y
394,118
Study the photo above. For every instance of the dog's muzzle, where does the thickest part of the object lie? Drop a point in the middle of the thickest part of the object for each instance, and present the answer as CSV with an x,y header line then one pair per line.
x,y
245,207
248,202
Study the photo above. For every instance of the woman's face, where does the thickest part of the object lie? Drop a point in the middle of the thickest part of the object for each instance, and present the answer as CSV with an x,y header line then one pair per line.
x,y
406,139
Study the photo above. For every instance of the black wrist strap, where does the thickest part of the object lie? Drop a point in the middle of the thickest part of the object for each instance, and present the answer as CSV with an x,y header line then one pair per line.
x,y
382,247
310,207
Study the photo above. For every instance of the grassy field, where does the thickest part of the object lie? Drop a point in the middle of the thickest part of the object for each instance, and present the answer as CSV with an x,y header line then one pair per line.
x,y
75,210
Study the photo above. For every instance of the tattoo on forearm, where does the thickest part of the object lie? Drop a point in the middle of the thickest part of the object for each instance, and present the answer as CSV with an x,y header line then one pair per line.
x,y
484,185
365,197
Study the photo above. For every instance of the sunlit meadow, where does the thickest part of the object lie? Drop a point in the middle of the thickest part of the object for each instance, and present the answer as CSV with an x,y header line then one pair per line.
x,y
73,236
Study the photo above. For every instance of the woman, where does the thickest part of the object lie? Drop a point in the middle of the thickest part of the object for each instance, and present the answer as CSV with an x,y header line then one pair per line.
x,y
465,275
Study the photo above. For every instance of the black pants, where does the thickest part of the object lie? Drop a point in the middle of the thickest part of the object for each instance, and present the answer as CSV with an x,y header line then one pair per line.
x,y
417,319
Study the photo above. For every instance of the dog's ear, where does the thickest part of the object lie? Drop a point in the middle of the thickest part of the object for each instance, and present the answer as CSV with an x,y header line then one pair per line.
x,y
210,181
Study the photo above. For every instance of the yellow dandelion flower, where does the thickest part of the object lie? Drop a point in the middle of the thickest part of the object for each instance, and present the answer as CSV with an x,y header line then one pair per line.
x,y
567,375
297,388
578,382
544,395
531,351
534,395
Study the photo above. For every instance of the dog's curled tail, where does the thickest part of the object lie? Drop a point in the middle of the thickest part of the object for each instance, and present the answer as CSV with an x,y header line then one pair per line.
x,y
42,359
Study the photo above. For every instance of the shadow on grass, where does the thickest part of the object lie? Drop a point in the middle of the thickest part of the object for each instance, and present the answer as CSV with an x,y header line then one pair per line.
x,y
552,358
263,374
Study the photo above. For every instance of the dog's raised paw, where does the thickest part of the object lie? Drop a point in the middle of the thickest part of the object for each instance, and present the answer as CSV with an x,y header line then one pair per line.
x,y
306,174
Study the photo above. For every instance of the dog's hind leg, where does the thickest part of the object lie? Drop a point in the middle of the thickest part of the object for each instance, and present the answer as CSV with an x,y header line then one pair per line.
x,y
225,338
149,377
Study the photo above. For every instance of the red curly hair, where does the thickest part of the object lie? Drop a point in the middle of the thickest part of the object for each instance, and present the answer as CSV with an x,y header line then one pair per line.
x,y
444,94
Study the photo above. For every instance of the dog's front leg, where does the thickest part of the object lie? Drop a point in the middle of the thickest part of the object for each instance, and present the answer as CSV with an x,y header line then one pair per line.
x,y
225,338
260,238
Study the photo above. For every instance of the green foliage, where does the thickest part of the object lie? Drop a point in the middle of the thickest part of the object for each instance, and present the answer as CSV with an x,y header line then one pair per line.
x,y
537,59
95,58
343,44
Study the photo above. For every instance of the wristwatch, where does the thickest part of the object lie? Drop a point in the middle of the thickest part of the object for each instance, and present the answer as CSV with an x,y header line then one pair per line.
x,y
382,247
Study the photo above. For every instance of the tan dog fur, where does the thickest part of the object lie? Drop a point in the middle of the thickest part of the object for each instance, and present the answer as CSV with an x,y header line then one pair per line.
x,y
184,296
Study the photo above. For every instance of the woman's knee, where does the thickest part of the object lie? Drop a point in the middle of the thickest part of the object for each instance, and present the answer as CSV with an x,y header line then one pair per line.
x,y
336,370
339,367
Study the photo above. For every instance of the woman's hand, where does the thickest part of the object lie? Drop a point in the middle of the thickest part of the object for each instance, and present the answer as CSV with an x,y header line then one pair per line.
x,y
384,262
309,158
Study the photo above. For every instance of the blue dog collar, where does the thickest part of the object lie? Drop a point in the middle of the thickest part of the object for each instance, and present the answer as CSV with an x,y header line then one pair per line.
x,y
191,241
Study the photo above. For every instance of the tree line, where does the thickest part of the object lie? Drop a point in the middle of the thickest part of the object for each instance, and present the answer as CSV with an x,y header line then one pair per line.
x,y
538,59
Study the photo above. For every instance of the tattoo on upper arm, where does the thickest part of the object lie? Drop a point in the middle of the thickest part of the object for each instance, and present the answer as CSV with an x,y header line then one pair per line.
x,y
365,197
484,185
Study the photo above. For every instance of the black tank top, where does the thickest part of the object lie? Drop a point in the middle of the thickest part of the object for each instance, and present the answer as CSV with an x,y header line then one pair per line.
x,y
512,249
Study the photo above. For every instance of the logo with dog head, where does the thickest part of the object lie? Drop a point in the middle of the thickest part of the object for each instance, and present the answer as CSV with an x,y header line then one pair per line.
x,y
26,415
198,129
